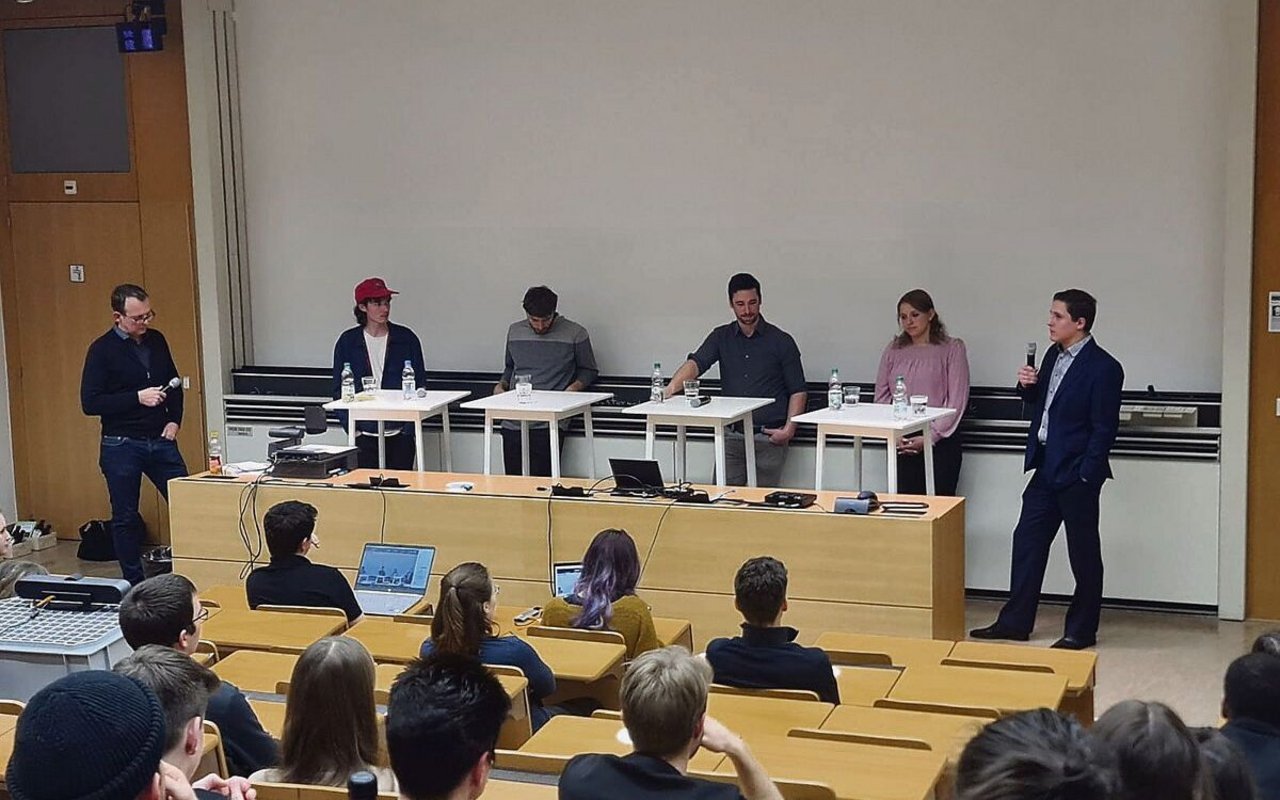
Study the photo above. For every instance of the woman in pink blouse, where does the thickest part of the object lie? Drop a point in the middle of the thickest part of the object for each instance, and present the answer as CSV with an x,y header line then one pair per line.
x,y
934,364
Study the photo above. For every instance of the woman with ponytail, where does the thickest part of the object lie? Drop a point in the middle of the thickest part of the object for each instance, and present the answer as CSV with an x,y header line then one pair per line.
x,y
605,596
464,625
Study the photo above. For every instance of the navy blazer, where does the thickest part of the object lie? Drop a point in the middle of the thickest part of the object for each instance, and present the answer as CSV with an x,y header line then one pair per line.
x,y
1083,419
402,346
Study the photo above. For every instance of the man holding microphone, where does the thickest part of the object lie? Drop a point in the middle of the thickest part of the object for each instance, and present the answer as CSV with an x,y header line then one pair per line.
x,y
131,382
1075,416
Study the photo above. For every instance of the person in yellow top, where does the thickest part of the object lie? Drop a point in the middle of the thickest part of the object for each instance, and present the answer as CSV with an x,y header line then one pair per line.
x,y
605,596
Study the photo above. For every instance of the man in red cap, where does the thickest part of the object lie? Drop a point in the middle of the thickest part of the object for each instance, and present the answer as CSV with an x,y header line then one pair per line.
x,y
377,346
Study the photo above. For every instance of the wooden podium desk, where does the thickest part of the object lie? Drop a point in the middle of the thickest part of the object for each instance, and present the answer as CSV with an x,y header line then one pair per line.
x,y
866,574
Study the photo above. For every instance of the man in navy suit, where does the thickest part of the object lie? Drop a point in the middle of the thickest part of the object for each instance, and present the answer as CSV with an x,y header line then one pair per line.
x,y
1075,416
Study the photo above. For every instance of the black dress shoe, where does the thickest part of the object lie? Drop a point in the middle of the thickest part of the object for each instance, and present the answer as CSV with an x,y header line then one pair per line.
x,y
995,631
1068,643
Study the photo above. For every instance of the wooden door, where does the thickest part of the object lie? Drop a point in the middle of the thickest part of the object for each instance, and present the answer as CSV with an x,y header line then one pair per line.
x,y
57,319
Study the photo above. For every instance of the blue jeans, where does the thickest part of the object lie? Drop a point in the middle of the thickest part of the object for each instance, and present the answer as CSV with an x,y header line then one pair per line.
x,y
123,462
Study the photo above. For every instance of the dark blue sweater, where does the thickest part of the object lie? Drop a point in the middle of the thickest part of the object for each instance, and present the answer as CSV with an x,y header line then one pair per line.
x,y
512,651
769,658
402,346
114,372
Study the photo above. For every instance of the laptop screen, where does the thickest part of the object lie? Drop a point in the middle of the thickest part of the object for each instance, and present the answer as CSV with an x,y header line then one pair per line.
x,y
636,473
564,576
395,568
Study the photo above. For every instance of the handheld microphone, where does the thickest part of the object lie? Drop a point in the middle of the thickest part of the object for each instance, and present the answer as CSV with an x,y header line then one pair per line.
x,y
1031,354
174,383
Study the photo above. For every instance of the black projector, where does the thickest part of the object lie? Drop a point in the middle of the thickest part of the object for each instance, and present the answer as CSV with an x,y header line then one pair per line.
x,y
312,461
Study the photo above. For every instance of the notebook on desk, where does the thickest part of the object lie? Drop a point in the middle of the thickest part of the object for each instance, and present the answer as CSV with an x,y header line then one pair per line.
x,y
392,577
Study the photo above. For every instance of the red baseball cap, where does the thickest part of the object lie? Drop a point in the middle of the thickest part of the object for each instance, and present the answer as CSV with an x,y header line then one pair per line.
x,y
371,289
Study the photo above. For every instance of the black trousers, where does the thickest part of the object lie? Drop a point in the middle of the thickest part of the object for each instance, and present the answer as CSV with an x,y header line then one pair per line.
x,y
947,456
1044,510
400,451
539,451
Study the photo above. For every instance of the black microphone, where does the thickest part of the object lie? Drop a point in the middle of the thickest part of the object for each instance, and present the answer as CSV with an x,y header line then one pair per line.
x,y
1031,354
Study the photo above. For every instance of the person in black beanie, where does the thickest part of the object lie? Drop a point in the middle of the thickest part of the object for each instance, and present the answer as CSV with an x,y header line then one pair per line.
x,y
131,382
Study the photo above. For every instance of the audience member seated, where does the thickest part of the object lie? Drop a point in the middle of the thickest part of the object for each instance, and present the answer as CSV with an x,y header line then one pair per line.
x,y
1035,755
766,655
290,579
13,571
664,708
1268,642
1156,754
443,720
1251,704
1232,779
96,735
183,688
330,722
605,597
166,610
463,625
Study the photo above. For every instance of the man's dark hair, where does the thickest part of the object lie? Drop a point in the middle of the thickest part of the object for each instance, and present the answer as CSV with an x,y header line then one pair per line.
x,y
444,713
742,282
123,292
158,610
1080,305
540,302
1155,753
287,526
1268,642
1231,774
362,318
1251,688
1032,755
760,587
182,685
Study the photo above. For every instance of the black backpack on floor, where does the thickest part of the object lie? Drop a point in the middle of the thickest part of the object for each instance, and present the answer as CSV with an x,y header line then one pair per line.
x,y
95,541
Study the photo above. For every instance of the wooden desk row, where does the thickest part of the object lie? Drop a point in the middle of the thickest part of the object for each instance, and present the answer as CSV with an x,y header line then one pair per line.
x,y
894,575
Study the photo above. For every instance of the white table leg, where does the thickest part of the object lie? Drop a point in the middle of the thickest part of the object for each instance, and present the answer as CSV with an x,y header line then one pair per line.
x,y
928,463
417,440
446,445
591,443
488,442
822,446
749,440
721,467
682,453
891,445
382,445
649,431
524,447
554,430
857,463
351,429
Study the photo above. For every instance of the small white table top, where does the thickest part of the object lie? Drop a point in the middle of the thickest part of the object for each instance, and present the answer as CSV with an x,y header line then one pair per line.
x,y
391,400
720,409
542,402
877,416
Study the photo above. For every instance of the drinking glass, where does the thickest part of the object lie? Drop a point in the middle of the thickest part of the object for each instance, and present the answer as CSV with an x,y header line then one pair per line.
x,y
852,394
369,384
919,402
524,388
691,391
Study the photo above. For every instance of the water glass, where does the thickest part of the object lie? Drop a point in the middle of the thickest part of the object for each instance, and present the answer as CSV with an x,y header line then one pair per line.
x,y
851,394
524,388
369,384
919,402
691,391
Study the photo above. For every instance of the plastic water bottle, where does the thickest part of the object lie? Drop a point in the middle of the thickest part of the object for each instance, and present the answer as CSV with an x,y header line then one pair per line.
x,y
348,383
900,408
215,454
835,391
408,382
656,385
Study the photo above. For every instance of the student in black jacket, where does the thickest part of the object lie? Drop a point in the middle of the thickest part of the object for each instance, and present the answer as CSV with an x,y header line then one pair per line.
x,y
766,655
166,610
1251,704
126,378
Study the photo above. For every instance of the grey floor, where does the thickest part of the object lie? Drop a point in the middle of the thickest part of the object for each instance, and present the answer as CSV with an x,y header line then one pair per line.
x,y
1178,659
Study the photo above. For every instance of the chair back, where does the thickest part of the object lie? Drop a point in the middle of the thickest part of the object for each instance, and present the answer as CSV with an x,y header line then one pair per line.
x,y
859,658
780,694
789,789
215,755
539,763
938,708
577,634
904,742
1010,666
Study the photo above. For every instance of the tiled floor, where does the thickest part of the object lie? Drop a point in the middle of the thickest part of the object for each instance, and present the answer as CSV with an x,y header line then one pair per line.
x,y
1178,659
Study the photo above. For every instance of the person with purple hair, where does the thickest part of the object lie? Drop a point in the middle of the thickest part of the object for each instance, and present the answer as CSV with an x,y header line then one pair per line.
x,y
605,595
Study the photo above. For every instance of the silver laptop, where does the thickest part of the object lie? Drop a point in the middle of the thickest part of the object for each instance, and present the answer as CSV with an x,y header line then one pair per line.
x,y
564,577
392,577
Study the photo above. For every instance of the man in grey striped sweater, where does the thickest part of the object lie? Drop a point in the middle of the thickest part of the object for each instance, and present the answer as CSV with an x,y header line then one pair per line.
x,y
556,352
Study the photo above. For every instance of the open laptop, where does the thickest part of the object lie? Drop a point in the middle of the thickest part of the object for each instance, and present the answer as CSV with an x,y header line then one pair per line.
x,y
564,577
636,476
392,577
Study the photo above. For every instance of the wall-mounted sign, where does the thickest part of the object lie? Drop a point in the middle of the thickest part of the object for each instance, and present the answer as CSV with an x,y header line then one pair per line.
x,y
1273,318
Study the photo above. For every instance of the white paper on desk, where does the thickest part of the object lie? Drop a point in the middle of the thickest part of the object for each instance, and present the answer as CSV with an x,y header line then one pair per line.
x,y
245,467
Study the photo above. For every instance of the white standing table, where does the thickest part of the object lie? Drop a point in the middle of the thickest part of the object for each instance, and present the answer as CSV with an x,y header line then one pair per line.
x,y
874,421
384,405
718,414
543,406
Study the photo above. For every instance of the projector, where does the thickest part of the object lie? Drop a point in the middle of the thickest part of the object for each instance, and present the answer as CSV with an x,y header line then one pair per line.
x,y
312,461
